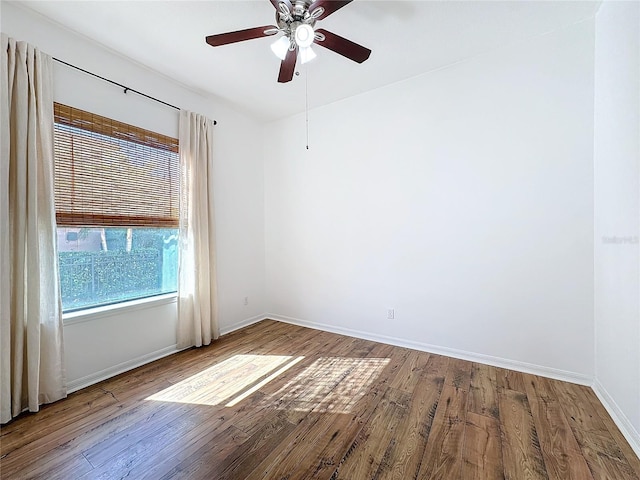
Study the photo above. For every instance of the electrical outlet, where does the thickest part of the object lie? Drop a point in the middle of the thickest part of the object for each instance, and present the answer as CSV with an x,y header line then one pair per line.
x,y
391,314
246,300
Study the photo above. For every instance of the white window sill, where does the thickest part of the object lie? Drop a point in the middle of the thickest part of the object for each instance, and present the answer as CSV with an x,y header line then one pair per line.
x,y
89,314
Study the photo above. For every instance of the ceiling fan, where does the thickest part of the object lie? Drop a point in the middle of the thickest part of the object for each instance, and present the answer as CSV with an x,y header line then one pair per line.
x,y
297,19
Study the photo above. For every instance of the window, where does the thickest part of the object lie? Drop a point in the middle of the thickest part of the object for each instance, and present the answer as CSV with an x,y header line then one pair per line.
x,y
116,193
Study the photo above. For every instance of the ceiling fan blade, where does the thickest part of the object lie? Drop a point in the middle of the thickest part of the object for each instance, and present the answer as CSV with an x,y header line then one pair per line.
x,y
288,66
344,47
240,35
329,6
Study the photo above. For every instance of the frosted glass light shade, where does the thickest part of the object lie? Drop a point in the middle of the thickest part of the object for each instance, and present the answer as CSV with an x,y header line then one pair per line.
x,y
306,55
280,47
304,35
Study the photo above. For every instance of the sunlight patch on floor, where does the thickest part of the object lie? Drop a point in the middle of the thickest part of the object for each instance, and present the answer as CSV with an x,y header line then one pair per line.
x,y
328,385
262,383
226,380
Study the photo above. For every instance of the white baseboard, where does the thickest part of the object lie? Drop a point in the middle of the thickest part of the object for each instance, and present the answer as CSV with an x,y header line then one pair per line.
x,y
241,324
618,416
534,369
101,375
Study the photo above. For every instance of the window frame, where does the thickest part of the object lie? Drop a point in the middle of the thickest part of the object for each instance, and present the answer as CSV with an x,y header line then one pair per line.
x,y
116,309
96,126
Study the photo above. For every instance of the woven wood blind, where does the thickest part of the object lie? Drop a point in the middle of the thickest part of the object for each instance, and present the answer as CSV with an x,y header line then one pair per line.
x,y
109,173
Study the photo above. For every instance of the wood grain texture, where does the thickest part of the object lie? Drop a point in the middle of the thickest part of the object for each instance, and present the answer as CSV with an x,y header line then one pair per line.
x,y
482,452
510,379
459,374
616,434
560,450
483,393
521,453
403,456
602,452
369,449
411,372
442,457
278,401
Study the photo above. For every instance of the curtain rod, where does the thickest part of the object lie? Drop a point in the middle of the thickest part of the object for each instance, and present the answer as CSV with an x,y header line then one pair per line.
x,y
126,89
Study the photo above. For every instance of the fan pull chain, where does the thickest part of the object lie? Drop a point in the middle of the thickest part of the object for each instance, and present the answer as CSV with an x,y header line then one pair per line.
x,y
306,100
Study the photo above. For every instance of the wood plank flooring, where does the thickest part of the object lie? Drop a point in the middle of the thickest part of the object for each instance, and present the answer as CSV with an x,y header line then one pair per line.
x,y
276,401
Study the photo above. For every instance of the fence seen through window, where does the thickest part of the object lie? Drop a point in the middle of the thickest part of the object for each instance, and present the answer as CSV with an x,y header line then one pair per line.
x,y
101,266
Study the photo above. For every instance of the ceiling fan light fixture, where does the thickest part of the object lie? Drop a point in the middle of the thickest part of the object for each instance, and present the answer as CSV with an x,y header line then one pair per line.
x,y
280,47
304,35
296,20
306,55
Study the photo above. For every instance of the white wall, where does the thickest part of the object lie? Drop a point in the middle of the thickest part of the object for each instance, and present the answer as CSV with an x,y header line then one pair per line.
x,y
107,343
462,198
617,212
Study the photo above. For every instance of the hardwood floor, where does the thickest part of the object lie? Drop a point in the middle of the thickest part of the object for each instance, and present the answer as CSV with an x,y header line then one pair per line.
x,y
276,401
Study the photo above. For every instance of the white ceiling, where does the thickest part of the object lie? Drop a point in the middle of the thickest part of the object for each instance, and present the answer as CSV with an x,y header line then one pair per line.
x,y
407,38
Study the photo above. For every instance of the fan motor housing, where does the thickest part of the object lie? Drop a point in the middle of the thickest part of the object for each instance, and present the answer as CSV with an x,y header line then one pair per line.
x,y
299,13
300,8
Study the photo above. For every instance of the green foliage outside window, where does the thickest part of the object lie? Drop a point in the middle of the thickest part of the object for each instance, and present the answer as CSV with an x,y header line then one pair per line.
x,y
143,267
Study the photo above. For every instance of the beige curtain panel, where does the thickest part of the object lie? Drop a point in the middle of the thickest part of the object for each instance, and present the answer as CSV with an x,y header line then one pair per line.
x,y
197,302
31,349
